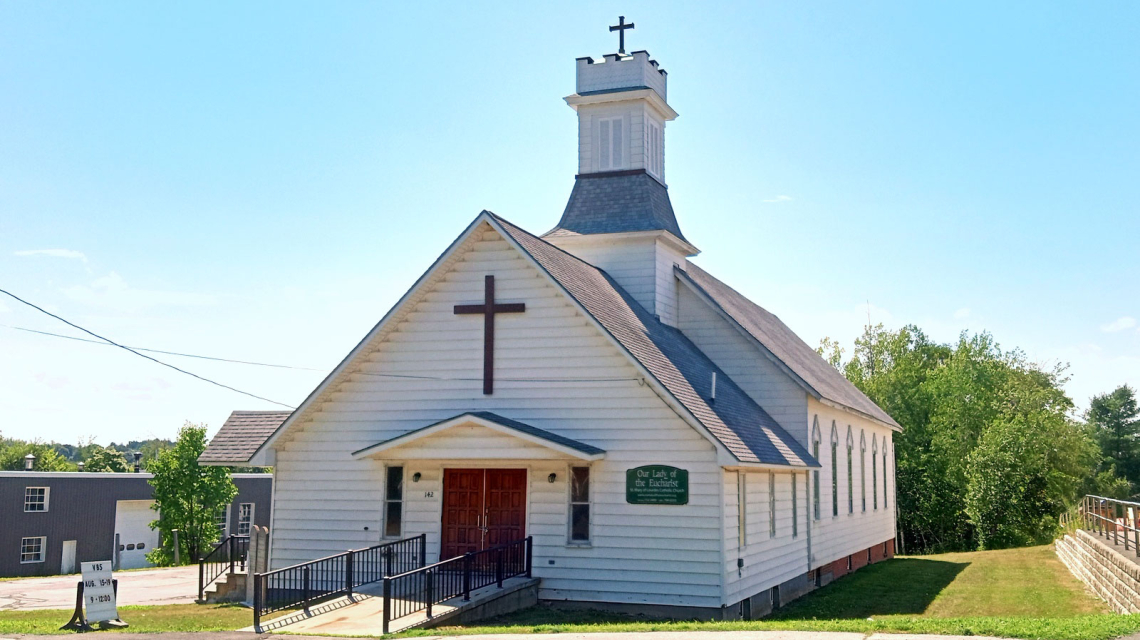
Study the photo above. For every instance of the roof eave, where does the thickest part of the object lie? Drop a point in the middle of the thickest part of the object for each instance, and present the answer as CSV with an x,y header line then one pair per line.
x,y
341,368
586,453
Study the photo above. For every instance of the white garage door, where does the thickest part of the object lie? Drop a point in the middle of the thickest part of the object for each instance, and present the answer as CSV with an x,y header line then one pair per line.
x,y
132,533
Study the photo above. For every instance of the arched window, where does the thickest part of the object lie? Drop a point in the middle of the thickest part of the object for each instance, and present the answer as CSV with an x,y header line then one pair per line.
x,y
850,478
815,474
863,467
884,472
875,471
834,471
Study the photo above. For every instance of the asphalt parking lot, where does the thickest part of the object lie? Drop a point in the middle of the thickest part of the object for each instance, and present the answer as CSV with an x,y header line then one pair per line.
x,y
175,585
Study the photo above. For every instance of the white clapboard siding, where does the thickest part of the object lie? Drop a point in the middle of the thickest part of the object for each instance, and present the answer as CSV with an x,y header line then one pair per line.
x,y
836,537
553,370
768,560
745,363
665,282
631,261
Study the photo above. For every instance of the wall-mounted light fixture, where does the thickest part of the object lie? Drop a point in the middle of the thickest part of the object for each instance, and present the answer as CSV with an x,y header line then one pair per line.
x,y
80,466
29,462
416,476
551,478
138,461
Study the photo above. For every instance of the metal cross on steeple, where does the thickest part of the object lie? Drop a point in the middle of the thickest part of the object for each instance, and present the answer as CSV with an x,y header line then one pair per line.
x,y
620,27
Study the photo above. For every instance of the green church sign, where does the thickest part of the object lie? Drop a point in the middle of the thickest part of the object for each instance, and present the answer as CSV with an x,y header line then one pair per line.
x,y
657,484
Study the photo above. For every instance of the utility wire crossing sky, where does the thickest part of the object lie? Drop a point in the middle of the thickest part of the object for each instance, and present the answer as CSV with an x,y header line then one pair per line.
x,y
263,183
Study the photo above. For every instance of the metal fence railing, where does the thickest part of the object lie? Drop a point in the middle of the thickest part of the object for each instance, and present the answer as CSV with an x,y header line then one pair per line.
x,y
1115,520
226,557
301,585
422,588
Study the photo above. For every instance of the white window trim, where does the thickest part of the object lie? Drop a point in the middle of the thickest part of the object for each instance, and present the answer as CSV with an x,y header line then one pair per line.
x,y
795,507
607,145
771,504
403,502
654,157
570,541
252,509
226,525
834,470
43,549
741,509
815,475
875,472
47,500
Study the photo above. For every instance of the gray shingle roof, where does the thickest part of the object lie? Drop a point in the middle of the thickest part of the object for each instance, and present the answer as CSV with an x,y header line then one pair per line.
x,y
617,202
785,345
741,425
241,435
521,427
734,419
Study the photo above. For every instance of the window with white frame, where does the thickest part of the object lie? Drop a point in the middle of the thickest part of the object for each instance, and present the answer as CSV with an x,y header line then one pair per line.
x,y
610,144
815,474
36,499
850,478
222,521
771,504
834,470
875,471
245,518
394,502
795,508
741,509
863,467
33,549
884,472
654,161
580,504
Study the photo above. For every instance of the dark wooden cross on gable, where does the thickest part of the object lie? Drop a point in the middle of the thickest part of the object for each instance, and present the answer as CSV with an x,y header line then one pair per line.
x,y
488,310
620,27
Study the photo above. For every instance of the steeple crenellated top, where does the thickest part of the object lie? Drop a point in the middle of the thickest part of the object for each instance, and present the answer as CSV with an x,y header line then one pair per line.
x,y
621,73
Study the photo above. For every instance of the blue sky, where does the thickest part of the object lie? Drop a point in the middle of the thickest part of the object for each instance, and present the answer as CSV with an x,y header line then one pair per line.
x,y
262,180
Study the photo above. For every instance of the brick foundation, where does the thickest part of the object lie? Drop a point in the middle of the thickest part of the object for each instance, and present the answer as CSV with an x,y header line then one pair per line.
x,y
762,603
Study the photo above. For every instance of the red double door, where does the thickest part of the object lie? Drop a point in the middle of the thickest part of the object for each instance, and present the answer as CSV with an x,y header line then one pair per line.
x,y
482,508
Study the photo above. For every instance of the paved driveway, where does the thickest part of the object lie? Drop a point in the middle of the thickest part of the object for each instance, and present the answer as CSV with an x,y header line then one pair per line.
x,y
147,586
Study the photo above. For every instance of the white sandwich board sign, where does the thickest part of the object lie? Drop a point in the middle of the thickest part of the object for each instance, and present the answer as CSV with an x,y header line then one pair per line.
x,y
99,592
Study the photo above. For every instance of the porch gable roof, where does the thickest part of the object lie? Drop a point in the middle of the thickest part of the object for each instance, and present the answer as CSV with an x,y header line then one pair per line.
x,y
495,422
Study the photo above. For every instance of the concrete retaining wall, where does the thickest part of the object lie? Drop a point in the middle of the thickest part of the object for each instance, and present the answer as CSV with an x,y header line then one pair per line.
x,y
1109,574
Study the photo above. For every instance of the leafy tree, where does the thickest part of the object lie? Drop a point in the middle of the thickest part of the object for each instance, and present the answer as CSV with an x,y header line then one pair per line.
x,y
188,495
12,453
1115,420
104,459
989,455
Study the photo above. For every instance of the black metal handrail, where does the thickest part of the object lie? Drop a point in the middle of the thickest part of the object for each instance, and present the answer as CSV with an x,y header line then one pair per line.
x,y
1109,517
305,583
420,589
223,558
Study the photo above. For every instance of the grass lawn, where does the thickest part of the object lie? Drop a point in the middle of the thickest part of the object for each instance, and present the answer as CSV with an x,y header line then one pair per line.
x,y
141,618
1018,593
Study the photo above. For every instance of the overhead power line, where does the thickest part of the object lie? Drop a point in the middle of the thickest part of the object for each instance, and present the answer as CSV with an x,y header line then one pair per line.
x,y
139,354
169,353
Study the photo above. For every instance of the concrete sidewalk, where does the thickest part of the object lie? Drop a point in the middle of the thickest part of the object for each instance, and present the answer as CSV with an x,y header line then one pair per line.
x,y
649,635
176,585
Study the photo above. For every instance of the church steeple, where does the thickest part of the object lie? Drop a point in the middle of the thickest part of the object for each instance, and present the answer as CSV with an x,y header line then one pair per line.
x,y
620,202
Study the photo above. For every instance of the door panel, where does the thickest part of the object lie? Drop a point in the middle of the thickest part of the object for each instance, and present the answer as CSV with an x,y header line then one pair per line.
x,y
506,506
136,538
67,563
462,512
482,508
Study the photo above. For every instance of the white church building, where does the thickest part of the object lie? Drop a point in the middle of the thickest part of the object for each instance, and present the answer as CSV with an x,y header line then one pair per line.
x,y
667,444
